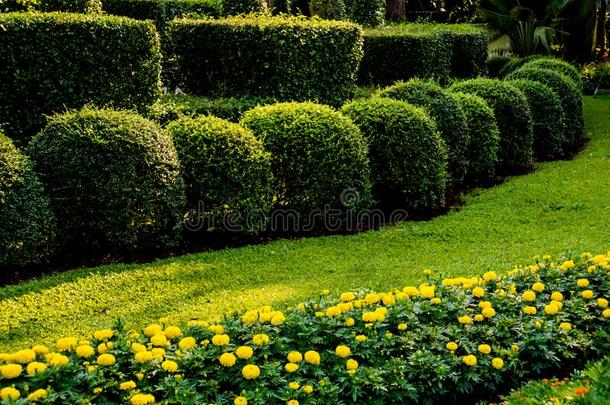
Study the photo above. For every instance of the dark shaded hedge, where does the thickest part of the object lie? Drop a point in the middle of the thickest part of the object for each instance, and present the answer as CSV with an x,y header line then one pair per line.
x,y
469,49
226,172
446,112
368,13
27,224
68,6
514,120
53,62
319,157
495,64
171,107
288,58
548,116
516,63
559,66
484,145
570,96
408,157
113,180
235,7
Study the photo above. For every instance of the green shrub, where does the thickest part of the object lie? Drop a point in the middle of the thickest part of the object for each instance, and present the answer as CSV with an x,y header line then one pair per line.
x,y
317,156
171,107
516,63
27,224
113,180
495,65
408,158
235,7
226,170
484,145
368,13
446,112
288,58
55,61
68,6
559,66
328,9
469,49
570,97
514,120
548,116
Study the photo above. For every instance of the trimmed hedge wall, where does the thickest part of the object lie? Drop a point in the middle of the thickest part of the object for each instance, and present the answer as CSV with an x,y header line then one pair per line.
x,y
113,179
27,224
55,61
408,157
288,58
514,120
495,64
68,6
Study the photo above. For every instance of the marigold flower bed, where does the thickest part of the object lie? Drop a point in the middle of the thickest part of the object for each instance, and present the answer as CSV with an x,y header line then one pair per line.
x,y
451,339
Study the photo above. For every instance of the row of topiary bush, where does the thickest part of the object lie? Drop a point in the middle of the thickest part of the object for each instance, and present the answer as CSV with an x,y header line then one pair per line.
x,y
448,340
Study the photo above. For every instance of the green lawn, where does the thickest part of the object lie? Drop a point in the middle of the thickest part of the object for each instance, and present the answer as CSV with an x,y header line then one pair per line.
x,y
562,207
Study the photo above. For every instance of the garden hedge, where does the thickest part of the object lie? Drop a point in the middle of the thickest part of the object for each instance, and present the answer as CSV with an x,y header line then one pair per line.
x,y
408,157
514,119
328,9
235,7
559,66
517,63
288,58
27,224
51,62
113,180
368,13
549,118
68,6
226,169
568,93
446,112
318,157
495,65
171,107
454,340
484,144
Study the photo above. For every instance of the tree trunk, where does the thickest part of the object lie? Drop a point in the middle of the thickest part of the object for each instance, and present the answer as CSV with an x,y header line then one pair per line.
x,y
395,9
601,27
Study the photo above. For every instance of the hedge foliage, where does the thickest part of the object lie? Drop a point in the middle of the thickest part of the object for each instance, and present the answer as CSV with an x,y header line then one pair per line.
x,y
226,169
289,58
27,224
328,9
446,112
517,63
67,6
495,65
452,340
568,93
235,7
113,180
484,138
549,118
559,66
55,61
171,107
318,156
368,13
514,120
408,157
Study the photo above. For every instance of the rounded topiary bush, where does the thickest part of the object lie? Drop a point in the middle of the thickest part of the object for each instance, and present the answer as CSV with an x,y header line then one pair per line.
x,y
447,114
27,224
318,156
517,63
548,116
495,64
570,96
559,66
514,120
113,179
484,138
226,173
408,157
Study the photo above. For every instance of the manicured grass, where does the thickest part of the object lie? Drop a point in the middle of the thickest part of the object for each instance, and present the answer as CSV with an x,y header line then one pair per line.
x,y
562,207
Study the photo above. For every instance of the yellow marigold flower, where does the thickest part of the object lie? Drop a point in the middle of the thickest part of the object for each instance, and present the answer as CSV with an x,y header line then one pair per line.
x,y
350,322
35,367
85,351
171,366
567,265
227,359
470,360
361,338
142,399
497,363
333,311
530,310
551,309
372,298
325,292
294,357
479,317
143,357
602,302
427,272
38,394
312,357
582,282
514,347
11,371
427,291
127,385
240,401
538,287
40,349
529,296
152,330
565,326
490,276
220,340
172,332
106,359
158,352
292,402
250,317
24,356
478,292
606,313
538,324
244,352
451,346
102,348
159,340
138,347
343,351
58,360
402,326
587,294
485,349
370,316
251,372
557,296
103,334
188,342
308,389
260,339
347,297
465,320
294,385
484,304
488,312
291,367
411,291
388,299
9,393
65,344
351,364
